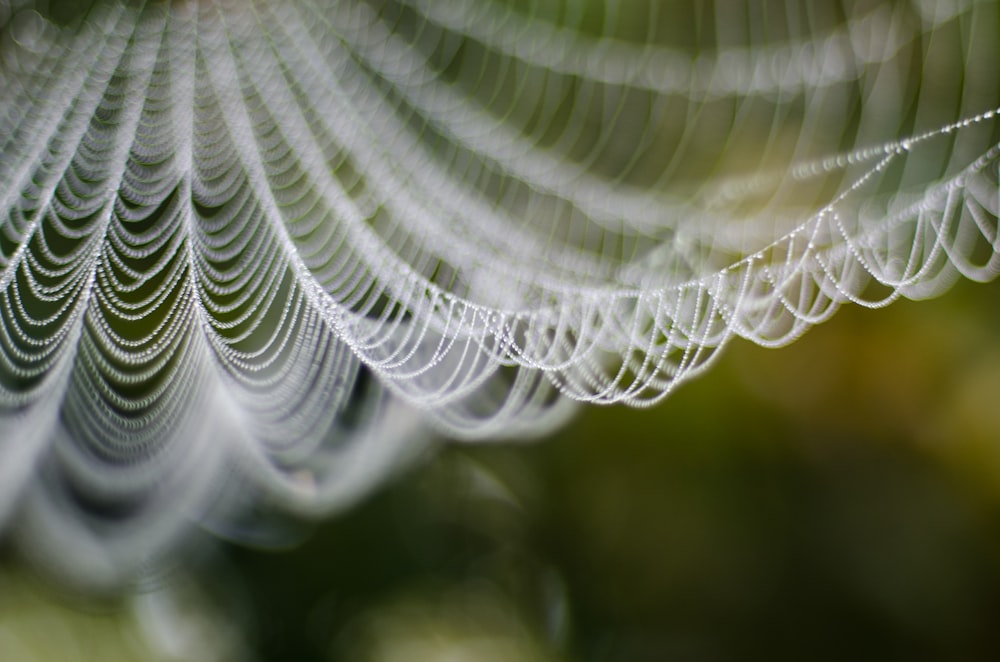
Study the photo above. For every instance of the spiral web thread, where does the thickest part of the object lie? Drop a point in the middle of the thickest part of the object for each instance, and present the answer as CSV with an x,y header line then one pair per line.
x,y
237,237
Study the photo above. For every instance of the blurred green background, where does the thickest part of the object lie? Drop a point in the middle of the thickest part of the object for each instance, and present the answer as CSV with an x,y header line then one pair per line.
x,y
836,499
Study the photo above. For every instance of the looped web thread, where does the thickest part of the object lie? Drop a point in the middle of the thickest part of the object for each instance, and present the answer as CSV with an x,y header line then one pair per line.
x,y
247,247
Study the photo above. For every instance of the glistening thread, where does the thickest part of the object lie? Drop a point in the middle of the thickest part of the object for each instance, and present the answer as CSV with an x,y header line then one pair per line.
x,y
251,251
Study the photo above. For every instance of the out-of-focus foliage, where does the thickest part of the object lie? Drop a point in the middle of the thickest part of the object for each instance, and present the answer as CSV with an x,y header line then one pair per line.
x,y
178,623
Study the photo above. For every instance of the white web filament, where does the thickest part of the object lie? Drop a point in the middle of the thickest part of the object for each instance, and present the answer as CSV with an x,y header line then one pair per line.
x,y
246,247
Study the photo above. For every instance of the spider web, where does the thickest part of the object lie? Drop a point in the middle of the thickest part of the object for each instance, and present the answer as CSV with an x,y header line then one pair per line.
x,y
247,247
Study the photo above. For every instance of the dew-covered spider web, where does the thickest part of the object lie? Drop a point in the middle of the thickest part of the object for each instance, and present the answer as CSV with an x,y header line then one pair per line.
x,y
248,247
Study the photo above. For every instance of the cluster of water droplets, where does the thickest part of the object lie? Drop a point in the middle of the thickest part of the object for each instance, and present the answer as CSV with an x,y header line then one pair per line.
x,y
247,249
